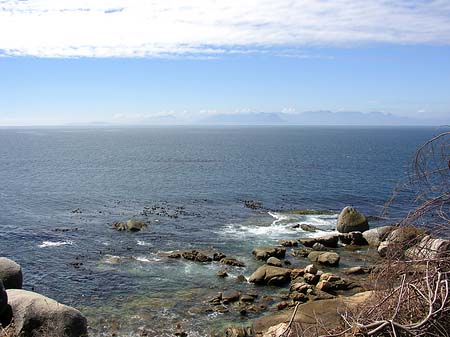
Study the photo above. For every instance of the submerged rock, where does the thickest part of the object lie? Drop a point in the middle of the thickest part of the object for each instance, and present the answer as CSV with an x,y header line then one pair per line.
x,y
232,262
350,220
37,315
263,253
10,274
308,228
270,275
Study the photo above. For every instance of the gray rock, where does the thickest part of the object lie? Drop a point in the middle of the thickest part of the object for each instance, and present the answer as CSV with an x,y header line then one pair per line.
x,y
273,261
376,235
308,228
131,225
326,258
270,275
37,315
231,261
350,220
263,253
10,274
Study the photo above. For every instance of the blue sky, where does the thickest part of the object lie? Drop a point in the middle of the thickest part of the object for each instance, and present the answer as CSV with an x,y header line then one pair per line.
x,y
129,62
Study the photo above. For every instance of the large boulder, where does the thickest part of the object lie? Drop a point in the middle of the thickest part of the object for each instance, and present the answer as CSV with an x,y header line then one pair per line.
x,y
263,253
3,298
10,274
376,235
270,275
327,241
37,315
350,220
329,312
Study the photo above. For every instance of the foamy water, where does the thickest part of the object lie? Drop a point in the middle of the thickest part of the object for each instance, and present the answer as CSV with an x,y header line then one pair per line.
x,y
46,244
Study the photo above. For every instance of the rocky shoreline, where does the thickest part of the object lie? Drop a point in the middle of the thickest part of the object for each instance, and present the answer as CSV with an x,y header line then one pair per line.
x,y
309,286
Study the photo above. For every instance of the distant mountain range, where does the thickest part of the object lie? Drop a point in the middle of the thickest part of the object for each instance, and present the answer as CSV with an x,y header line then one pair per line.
x,y
315,118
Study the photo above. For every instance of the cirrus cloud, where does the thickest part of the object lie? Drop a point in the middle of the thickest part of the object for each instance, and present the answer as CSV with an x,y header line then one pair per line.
x,y
209,28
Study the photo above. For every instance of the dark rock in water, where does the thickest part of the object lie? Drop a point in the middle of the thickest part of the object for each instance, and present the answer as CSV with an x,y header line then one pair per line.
x,y
232,262
273,261
3,298
247,298
252,204
353,238
131,225
37,315
295,226
10,274
222,273
288,243
308,228
230,296
327,240
241,278
263,253
326,258
350,220
270,275
76,210
218,256
197,255
376,235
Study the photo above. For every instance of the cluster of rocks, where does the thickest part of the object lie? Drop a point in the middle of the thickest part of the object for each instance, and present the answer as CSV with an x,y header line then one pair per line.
x,y
30,314
204,255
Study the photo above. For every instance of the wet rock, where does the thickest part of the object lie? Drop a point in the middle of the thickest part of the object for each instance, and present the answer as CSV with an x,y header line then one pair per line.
x,y
10,274
230,296
222,273
232,262
353,238
273,261
236,331
311,269
350,220
288,243
246,298
76,211
376,235
263,253
270,275
297,225
216,300
241,278
35,314
327,240
330,259
195,255
252,204
308,228
131,225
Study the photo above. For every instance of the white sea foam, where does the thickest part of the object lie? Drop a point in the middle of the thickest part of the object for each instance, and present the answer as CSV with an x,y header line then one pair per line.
x,y
282,226
46,244
147,259
143,243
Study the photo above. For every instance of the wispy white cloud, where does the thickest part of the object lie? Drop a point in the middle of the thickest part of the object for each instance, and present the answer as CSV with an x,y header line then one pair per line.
x,y
209,28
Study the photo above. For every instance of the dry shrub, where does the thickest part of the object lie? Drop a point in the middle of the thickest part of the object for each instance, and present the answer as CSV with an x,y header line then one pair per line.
x,y
412,284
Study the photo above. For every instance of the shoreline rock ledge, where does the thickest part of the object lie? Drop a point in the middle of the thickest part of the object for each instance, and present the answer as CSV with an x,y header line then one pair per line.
x,y
350,220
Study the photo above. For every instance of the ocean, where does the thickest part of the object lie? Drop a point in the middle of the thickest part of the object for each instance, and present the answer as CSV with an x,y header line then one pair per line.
x,y
62,188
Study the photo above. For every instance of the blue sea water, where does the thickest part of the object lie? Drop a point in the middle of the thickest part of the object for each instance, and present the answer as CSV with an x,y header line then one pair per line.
x,y
62,188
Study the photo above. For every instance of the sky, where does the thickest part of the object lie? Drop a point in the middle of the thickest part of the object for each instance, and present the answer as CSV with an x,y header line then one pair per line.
x,y
181,61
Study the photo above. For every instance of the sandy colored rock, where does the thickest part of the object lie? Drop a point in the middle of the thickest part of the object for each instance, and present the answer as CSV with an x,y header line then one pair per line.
x,y
270,275
375,236
37,315
350,220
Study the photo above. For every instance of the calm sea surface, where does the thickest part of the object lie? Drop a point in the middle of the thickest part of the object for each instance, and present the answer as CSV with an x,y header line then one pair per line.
x,y
61,189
